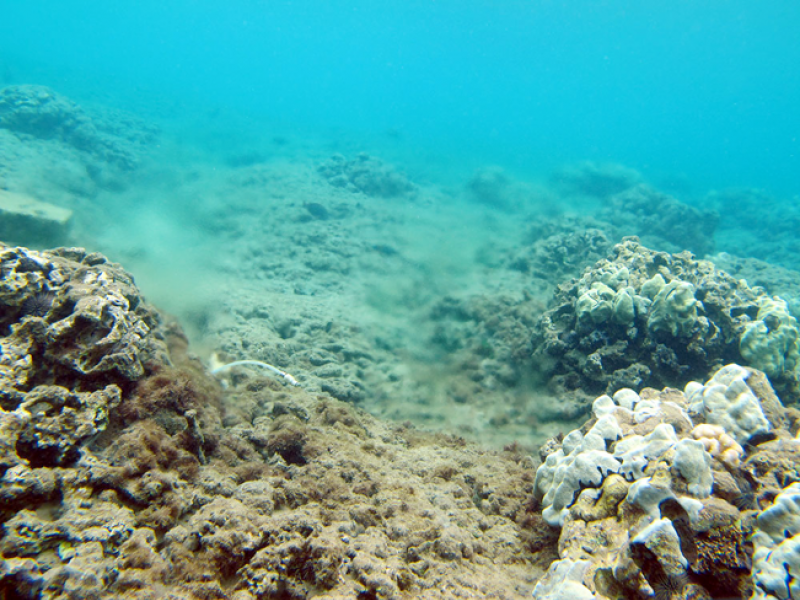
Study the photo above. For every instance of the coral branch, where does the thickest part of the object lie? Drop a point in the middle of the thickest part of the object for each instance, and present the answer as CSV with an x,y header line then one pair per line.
x,y
256,363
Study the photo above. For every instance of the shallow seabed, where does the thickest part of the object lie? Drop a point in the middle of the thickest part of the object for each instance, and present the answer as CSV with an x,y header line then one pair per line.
x,y
340,302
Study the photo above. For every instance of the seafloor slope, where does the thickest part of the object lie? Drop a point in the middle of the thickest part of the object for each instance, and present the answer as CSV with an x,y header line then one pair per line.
x,y
499,311
412,300
127,471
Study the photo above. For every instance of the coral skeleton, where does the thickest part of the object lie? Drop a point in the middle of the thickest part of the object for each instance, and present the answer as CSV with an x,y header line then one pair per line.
x,y
217,368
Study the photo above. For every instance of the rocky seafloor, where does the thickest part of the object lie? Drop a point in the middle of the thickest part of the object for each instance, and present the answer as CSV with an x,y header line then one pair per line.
x,y
597,414
129,471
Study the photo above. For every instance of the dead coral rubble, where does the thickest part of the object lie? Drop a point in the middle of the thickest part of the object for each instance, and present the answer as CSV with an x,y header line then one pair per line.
x,y
71,318
75,336
312,498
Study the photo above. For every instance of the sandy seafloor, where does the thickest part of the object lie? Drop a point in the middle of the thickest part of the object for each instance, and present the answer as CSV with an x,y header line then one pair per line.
x,y
375,283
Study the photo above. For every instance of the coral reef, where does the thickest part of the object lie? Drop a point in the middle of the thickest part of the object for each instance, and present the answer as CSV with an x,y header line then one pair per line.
x,y
661,221
39,112
558,249
123,472
76,335
366,174
771,342
644,509
645,318
296,285
777,547
126,470
774,279
595,180
757,225
56,158
631,207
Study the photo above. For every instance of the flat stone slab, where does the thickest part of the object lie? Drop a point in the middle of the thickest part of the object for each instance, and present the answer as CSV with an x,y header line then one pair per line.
x,y
27,221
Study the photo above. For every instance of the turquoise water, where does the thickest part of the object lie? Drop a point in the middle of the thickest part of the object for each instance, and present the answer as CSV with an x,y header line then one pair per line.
x,y
414,208
695,95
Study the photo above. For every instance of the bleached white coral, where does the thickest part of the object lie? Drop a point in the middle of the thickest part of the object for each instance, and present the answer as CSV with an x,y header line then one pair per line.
x,y
727,400
693,463
776,542
564,581
636,451
561,477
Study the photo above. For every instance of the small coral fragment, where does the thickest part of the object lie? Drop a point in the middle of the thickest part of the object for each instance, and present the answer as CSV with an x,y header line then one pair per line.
x,y
718,443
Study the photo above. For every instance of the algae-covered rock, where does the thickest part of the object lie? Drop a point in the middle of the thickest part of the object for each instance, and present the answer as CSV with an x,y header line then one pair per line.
x,y
54,422
75,331
118,475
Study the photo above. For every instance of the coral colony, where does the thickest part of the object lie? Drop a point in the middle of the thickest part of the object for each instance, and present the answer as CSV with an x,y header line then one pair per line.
x,y
131,468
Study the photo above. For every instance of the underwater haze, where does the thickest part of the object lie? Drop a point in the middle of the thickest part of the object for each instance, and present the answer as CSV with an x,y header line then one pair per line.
x,y
399,299
705,93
